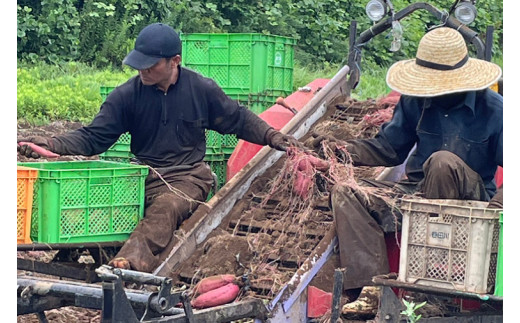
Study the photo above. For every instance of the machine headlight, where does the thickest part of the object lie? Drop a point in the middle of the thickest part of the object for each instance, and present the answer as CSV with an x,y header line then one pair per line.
x,y
376,9
465,12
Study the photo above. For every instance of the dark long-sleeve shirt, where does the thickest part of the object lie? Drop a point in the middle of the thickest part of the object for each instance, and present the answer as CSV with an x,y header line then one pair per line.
x,y
167,128
472,131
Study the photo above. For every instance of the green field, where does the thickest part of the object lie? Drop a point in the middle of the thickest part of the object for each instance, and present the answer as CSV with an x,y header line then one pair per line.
x,y
70,91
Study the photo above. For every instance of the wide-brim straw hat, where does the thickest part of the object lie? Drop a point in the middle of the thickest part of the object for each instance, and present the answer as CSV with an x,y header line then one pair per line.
x,y
441,66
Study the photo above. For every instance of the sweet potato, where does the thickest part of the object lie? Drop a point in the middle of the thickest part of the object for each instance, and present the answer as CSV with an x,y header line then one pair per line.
x,y
222,295
310,162
302,184
39,150
212,282
304,164
319,164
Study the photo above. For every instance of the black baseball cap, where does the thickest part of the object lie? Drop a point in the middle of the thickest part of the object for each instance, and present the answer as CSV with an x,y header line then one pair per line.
x,y
154,42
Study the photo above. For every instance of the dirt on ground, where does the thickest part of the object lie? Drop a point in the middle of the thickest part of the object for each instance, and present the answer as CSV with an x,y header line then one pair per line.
x,y
25,131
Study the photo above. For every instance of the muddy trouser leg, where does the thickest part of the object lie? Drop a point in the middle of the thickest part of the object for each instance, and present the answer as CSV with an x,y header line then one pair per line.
x,y
446,176
361,222
153,238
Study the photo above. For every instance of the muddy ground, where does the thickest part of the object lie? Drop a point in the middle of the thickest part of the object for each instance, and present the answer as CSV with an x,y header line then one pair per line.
x,y
226,252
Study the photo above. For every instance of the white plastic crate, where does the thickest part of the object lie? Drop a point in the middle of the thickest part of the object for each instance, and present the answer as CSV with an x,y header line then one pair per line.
x,y
449,244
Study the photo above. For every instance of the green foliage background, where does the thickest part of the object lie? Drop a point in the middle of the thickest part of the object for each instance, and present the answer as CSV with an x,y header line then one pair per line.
x,y
102,33
67,49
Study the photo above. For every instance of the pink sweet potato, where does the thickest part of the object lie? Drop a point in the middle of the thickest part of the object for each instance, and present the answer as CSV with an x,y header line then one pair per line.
x,y
302,184
212,282
304,164
222,295
310,162
319,164
39,150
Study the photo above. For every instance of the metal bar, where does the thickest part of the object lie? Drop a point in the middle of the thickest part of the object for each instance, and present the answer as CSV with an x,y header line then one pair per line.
x,y
83,295
390,307
336,294
135,276
252,308
39,304
41,317
468,34
116,308
473,318
317,106
59,246
57,269
489,43
188,310
354,59
310,267
384,281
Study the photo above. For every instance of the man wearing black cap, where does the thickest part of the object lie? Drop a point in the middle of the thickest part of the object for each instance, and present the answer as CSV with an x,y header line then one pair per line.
x,y
166,109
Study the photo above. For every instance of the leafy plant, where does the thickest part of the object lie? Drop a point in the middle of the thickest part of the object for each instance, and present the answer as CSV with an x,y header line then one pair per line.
x,y
52,33
102,32
409,312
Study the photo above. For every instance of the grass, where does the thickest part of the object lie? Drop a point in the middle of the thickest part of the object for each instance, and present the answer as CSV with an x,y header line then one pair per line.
x,y
372,83
71,91
66,92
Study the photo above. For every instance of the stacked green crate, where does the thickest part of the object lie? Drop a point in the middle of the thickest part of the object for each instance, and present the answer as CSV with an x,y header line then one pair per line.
x,y
253,69
257,104
120,151
242,63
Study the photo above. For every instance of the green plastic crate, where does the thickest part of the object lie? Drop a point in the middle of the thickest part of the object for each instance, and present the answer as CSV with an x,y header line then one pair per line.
x,y
499,287
214,157
86,201
104,91
119,151
257,102
220,169
213,142
242,63
230,142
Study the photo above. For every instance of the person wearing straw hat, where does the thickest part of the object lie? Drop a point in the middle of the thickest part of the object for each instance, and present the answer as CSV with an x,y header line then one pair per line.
x,y
454,121
166,109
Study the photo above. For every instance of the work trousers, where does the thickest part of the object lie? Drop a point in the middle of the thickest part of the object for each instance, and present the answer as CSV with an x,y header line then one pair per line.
x,y
361,222
165,209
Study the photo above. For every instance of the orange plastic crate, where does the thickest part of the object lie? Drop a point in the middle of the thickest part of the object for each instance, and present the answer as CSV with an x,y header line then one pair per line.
x,y
25,184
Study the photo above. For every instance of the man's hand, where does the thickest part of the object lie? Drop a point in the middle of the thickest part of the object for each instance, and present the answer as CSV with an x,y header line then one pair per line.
x,y
28,151
317,141
280,141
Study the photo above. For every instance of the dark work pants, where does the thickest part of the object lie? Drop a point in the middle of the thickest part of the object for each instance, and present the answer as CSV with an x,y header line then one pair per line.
x,y
361,223
153,238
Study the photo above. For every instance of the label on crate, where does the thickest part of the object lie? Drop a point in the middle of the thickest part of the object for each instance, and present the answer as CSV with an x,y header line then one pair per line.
x,y
278,59
439,234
